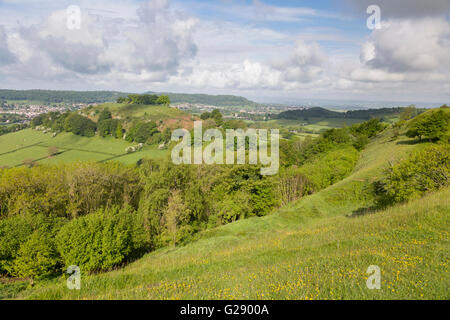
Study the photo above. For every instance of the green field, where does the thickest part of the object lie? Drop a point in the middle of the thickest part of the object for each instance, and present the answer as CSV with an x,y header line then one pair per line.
x,y
311,125
154,113
30,144
319,247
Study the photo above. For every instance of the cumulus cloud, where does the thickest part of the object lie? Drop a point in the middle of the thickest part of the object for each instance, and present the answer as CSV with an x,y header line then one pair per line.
x,y
151,47
302,65
78,50
158,44
420,45
305,64
6,56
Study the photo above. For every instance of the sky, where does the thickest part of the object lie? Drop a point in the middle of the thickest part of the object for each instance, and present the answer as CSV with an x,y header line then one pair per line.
x,y
264,50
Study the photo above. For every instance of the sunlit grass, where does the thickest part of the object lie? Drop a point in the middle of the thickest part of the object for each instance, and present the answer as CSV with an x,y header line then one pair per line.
x,y
315,248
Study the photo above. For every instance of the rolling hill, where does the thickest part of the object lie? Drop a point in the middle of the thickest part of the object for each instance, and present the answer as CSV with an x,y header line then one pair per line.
x,y
319,247
52,96
322,113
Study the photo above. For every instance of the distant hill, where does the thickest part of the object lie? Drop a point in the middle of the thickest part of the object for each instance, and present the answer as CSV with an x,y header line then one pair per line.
x,y
318,112
51,96
220,100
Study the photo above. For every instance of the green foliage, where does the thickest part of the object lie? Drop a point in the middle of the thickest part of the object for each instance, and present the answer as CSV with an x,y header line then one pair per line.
x,y
330,167
369,128
144,99
119,131
67,190
141,132
80,125
318,112
101,240
431,125
408,113
26,245
164,100
422,172
104,115
205,115
110,127
36,257
215,114
49,96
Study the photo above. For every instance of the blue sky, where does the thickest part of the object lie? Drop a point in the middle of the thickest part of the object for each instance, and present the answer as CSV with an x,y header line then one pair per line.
x,y
262,49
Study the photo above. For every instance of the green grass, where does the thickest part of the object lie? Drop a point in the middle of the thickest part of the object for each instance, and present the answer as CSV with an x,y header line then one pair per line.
x,y
315,125
154,113
315,248
30,144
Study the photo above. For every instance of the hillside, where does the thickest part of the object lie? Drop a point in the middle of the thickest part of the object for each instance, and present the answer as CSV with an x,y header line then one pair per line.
x,y
17,147
215,100
318,112
53,96
316,248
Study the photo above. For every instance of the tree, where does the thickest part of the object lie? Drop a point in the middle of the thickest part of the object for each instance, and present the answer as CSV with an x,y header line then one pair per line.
x,y
80,125
164,100
104,115
432,126
104,128
176,209
205,115
217,116
144,131
408,113
119,131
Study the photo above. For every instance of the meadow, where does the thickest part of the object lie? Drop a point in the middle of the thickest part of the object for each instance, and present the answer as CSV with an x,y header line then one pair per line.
x,y
151,112
34,145
319,247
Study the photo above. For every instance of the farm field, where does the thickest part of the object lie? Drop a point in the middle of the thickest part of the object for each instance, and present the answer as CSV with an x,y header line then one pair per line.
x,y
312,125
319,247
33,145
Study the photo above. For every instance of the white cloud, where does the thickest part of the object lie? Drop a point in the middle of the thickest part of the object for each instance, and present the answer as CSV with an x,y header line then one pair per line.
x,y
6,56
419,45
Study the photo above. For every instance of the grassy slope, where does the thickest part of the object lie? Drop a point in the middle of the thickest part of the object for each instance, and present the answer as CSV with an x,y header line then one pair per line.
x,y
311,249
29,144
155,113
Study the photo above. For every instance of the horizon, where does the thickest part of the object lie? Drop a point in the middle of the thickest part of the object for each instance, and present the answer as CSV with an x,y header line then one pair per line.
x,y
303,102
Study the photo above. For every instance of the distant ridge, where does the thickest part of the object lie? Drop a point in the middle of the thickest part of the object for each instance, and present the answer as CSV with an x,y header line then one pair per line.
x,y
318,112
206,99
55,96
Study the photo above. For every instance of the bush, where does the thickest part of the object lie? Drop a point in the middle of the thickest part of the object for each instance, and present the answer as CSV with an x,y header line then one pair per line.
x,y
102,240
36,257
431,126
13,232
424,171
80,125
26,245
330,167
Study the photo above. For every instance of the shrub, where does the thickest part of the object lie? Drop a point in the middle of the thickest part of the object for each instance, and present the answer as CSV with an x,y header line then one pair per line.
x,y
37,256
330,167
431,126
102,240
13,232
26,245
424,171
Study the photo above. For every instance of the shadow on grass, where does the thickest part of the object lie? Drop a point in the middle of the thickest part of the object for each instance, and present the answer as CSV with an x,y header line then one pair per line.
x,y
363,212
410,142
